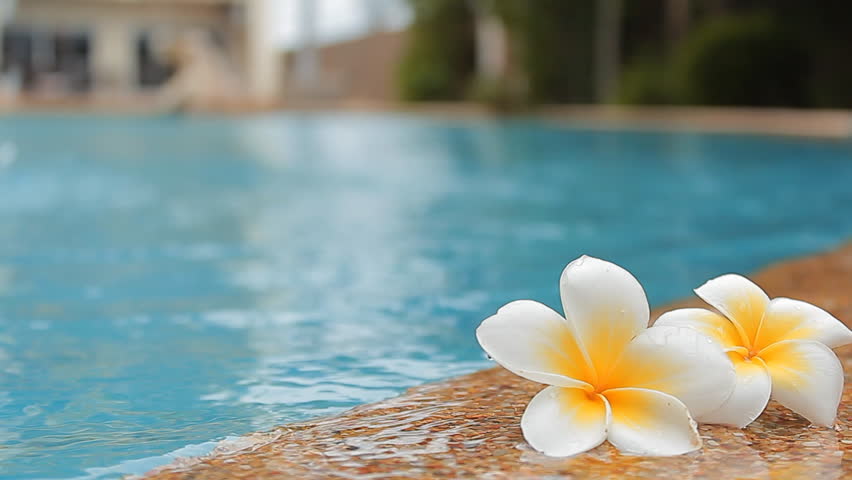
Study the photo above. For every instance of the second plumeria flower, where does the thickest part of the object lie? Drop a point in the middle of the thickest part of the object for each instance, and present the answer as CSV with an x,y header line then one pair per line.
x,y
610,376
780,348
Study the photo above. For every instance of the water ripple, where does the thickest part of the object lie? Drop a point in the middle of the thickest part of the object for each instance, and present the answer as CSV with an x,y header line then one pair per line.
x,y
165,282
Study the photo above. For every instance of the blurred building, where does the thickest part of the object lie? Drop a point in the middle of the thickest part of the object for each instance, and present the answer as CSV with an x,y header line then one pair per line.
x,y
358,70
344,51
190,51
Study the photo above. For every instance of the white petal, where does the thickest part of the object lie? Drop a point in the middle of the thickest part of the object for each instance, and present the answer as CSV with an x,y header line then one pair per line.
x,y
743,302
565,421
678,361
807,378
647,422
606,305
533,341
749,398
704,321
788,319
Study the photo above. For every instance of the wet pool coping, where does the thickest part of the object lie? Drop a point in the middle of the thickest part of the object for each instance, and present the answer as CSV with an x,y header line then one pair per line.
x,y
822,124
469,426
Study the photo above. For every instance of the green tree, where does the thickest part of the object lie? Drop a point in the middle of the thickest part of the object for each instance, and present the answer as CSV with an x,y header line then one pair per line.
x,y
743,60
439,62
555,42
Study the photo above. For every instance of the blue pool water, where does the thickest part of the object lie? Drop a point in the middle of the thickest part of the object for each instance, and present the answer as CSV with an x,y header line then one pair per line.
x,y
167,282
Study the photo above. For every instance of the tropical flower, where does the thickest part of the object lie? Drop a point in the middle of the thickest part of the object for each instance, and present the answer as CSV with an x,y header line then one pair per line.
x,y
780,348
610,376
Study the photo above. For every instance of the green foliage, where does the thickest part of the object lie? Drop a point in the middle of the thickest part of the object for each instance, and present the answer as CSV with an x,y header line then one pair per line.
x,y
554,39
646,82
745,58
742,60
440,58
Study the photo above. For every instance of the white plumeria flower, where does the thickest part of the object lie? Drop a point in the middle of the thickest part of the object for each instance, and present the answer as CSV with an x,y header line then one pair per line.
x,y
611,377
779,347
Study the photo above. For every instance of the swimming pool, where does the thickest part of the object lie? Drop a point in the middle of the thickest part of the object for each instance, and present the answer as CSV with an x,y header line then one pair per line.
x,y
167,282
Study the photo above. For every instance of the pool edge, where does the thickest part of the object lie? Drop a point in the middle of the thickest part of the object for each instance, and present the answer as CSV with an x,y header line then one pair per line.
x,y
438,415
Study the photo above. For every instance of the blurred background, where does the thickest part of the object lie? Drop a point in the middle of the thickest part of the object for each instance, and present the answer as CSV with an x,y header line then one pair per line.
x,y
218,216
244,54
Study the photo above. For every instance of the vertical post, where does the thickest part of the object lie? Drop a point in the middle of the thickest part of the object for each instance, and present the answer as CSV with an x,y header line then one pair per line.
x,y
607,49
307,61
114,61
491,42
264,62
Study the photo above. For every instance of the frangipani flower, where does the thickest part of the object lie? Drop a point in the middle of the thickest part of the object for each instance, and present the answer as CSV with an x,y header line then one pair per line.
x,y
610,376
779,347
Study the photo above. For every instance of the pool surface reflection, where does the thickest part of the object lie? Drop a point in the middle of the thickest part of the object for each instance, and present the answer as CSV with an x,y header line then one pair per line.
x,y
167,282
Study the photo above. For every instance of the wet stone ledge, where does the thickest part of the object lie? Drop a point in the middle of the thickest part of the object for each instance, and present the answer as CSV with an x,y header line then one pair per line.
x,y
470,426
